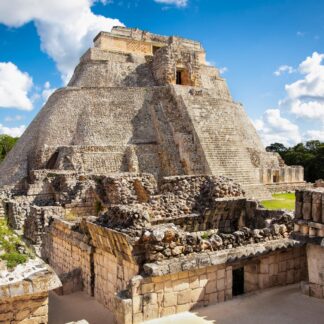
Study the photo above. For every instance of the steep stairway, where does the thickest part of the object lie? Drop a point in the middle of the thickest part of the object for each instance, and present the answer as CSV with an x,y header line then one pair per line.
x,y
214,121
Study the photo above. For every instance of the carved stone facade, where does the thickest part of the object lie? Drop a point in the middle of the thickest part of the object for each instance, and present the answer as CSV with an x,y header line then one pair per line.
x,y
140,102
135,181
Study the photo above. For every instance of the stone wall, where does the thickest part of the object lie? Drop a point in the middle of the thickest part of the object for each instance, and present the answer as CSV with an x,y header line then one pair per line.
x,y
288,187
161,296
24,293
315,260
112,275
158,296
309,213
281,268
69,253
285,175
27,309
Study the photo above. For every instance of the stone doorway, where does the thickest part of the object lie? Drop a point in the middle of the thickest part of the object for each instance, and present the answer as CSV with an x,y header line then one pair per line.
x,y
179,77
238,281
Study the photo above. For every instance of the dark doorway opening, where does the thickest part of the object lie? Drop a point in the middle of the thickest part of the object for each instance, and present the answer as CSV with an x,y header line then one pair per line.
x,y
238,281
155,48
179,81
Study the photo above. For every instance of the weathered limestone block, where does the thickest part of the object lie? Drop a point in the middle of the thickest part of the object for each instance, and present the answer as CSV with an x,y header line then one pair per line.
x,y
307,205
317,206
299,204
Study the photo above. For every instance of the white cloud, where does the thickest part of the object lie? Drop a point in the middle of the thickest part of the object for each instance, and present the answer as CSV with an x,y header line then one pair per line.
x,y
14,118
12,131
178,3
305,97
15,86
272,127
47,91
66,28
315,135
223,70
284,69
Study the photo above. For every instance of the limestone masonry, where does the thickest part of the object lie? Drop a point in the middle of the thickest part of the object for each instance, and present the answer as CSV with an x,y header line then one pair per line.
x,y
137,183
140,102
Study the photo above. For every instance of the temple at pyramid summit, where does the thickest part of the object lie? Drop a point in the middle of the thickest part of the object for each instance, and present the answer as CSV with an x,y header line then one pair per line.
x,y
139,183
140,102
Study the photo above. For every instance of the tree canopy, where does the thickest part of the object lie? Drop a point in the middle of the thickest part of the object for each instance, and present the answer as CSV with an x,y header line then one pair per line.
x,y
6,144
310,155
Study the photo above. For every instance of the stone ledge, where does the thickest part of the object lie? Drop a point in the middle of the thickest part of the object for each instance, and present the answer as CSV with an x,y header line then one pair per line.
x,y
40,280
196,261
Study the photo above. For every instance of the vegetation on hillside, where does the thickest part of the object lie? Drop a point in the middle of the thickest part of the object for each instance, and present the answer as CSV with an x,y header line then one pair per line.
x,y
280,201
6,144
310,155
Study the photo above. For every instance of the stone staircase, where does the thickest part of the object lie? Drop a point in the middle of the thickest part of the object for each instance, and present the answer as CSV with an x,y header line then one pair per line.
x,y
215,124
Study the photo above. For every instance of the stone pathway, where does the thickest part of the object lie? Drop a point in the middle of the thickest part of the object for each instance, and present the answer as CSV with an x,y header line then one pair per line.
x,y
282,305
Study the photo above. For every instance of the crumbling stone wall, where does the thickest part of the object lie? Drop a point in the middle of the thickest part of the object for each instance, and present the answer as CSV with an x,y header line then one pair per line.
x,y
309,213
24,309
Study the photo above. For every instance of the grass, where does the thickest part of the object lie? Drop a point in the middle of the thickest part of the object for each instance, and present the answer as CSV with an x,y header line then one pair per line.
x,y
11,245
280,201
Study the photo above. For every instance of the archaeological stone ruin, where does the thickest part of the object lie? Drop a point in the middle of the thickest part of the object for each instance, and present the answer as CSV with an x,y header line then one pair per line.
x,y
139,183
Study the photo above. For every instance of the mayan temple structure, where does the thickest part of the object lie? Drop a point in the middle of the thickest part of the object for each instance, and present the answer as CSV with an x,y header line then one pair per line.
x,y
139,183
140,102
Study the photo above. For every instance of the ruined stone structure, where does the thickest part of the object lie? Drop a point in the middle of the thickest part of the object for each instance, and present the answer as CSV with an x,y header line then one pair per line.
x,y
309,227
24,293
140,102
134,183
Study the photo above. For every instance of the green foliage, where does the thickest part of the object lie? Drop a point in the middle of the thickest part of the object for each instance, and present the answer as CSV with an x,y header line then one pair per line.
x,y
6,144
280,201
204,236
310,155
11,245
14,258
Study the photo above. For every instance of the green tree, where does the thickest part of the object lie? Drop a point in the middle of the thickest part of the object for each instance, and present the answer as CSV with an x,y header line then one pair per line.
x,y
6,144
276,147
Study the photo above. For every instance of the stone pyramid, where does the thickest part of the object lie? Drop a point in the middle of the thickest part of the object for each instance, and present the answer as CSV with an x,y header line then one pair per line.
x,y
140,102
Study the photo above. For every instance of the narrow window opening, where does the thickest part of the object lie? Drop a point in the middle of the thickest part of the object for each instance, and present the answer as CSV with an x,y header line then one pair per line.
x,y
238,282
179,81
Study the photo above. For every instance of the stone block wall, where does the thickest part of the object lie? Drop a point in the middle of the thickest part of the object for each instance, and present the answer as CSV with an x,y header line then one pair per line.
x,y
68,251
27,309
157,296
112,275
286,174
315,260
309,213
161,296
276,269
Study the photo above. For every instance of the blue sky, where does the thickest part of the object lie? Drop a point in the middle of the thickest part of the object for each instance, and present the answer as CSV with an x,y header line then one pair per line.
x,y
270,53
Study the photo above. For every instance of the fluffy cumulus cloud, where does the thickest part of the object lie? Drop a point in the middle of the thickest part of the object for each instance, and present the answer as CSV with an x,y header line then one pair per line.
x,y
284,69
305,97
15,86
66,28
315,135
178,3
12,131
272,127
